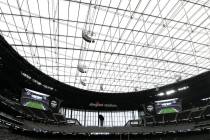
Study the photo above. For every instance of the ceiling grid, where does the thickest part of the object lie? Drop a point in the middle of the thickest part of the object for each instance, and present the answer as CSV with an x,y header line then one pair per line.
x,y
129,46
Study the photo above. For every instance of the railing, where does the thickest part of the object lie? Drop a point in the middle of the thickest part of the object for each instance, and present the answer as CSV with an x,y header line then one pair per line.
x,y
186,116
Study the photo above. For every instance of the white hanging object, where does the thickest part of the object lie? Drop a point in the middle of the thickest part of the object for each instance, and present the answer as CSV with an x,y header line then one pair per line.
x,y
87,32
88,36
81,68
156,88
101,87
178,78
83,82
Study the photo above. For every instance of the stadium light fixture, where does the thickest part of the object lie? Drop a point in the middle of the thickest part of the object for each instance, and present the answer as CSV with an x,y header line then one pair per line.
x,y
161,94
183,88
205,99
169,92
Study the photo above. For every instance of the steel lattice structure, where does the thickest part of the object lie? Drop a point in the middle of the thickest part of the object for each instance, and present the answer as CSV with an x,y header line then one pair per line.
x,y
138,44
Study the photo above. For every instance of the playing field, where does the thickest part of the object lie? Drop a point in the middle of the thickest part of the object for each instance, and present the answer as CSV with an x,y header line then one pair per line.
x,y
167,110
35,105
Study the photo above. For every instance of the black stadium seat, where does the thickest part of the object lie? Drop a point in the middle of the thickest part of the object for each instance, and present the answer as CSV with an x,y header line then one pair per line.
x,y
159,119
183,116
50,116
206,112
38,114
195,115
149,120
28,112
170,118
60,118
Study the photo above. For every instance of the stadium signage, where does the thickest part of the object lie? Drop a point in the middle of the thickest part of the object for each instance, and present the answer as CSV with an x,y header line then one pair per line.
x,y
98,104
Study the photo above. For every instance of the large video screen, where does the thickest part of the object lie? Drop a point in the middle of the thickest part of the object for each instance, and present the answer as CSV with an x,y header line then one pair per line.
x,y
168,106
34,99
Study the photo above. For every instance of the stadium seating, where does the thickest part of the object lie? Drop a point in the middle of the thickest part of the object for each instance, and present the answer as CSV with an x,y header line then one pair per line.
x,y
149,120
56,118
59,118
170,118
16,109
183,116
15,116
196,115
206,112
10,118
159,119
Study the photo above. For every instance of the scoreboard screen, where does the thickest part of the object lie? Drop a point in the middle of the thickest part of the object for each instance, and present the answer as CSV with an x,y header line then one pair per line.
x,y
168,106
34,99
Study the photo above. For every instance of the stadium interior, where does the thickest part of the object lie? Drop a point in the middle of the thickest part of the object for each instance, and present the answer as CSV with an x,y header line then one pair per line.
x,y
105,69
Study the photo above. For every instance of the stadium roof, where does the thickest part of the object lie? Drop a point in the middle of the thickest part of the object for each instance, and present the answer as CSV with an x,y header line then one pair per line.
x,y
111,45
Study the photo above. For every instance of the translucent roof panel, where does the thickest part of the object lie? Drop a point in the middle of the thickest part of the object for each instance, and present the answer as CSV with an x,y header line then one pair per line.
x,y
111,45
